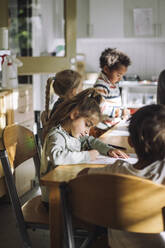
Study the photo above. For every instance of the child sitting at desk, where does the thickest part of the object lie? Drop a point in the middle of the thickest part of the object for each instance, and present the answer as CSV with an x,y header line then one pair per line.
x,y
147,136
67,140
66,84
113,64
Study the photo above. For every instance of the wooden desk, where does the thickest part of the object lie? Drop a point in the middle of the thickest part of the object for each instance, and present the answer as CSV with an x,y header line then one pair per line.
x,y
65,173
121,139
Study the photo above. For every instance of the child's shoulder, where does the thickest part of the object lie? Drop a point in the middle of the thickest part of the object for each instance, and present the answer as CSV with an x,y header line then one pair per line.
x,y
102,81
58,130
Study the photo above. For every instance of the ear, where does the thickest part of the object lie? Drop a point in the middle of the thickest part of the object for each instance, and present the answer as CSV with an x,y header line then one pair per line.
x,y
130,141
74,114
106,69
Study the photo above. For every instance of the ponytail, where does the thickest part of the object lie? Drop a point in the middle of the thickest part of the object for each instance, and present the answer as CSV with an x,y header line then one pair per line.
x,y
45,113
47,97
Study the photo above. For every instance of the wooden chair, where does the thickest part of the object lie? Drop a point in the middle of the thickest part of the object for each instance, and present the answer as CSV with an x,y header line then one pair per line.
x,y
116,201
19,143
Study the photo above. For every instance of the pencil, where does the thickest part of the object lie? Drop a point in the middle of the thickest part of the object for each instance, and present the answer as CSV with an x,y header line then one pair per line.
x,y
118,147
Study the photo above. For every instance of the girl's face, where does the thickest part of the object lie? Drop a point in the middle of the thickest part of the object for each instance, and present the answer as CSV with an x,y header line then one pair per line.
x,y
81,126
115,76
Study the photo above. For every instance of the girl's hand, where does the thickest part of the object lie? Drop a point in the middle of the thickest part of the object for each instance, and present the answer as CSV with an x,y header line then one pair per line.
x,y
93,154
115,153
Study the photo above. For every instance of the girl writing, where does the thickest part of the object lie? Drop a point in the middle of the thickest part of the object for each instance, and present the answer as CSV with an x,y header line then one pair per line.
x,y
67,140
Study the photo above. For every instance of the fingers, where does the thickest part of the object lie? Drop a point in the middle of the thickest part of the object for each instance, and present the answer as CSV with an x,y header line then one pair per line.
x,y
118,154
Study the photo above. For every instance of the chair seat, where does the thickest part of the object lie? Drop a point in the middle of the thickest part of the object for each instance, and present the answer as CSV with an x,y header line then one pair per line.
x,y
35,212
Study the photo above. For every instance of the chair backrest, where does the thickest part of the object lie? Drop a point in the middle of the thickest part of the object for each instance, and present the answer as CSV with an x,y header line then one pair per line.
x,y
118,201
20,144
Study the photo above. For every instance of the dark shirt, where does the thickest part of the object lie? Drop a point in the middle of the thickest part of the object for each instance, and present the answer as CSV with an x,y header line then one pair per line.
x,y
161,88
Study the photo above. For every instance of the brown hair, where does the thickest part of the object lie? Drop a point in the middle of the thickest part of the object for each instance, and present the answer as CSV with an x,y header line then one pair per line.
x,y
86,102
63,83
114,58
147,132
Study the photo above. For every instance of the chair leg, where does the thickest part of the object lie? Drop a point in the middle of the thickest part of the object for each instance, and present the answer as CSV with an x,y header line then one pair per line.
x,y
24,236
89,240
15,199
68,227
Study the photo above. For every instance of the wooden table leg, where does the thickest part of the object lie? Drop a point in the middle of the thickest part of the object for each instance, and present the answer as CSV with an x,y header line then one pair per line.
x,y
55,218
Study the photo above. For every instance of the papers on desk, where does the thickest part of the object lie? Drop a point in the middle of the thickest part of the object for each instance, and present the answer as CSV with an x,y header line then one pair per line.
x,y
108,160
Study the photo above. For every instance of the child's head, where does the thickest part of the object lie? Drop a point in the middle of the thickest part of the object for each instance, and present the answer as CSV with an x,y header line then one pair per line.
x,y
161,88
66,84
79,114
147,133
114,64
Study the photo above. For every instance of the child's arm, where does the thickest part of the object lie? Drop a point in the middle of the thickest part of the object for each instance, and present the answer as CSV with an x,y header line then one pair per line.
x,y
56,149
116,167
89,142
116,153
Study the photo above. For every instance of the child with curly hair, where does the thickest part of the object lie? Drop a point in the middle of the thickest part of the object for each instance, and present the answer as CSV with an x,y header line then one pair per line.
x,y
113,64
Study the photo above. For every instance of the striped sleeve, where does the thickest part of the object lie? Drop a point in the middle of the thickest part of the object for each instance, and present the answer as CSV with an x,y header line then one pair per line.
x,y
102,89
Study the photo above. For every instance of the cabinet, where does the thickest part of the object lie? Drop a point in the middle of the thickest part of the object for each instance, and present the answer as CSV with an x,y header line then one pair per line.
x,y
119,17
16,106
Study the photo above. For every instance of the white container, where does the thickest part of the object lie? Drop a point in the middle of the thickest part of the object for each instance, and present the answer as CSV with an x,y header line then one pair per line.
x,y
12,79
3,38
10,72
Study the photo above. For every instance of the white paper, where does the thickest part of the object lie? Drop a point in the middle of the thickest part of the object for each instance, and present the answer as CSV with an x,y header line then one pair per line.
x,y
143,21
108,160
